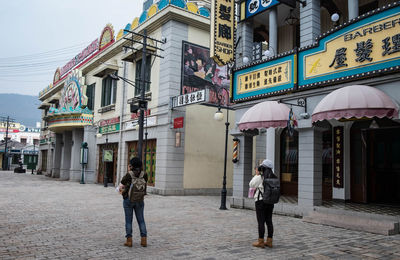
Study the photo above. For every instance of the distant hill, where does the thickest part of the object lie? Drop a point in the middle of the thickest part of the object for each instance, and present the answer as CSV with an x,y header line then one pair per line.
x,y
22,108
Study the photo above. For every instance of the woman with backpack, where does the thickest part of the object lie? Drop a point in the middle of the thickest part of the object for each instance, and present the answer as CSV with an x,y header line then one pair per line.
x,y
134,189
263,210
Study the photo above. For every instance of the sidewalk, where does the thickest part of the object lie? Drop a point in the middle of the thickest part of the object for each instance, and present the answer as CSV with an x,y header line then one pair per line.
x,y
44,218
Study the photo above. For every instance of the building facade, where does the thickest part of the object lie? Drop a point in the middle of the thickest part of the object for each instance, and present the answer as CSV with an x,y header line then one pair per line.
x,y
333,68
93,102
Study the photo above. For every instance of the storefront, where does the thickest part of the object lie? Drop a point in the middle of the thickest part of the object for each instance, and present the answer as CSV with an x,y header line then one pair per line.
x,y
338,136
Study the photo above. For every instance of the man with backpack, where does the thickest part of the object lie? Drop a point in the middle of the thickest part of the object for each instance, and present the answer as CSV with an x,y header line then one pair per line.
x,y
267,193
134,188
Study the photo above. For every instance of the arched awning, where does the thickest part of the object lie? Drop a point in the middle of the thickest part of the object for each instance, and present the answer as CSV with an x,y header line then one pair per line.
x,y
355,101
264,115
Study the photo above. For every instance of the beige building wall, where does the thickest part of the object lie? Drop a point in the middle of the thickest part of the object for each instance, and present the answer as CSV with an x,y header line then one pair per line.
x,y
203,133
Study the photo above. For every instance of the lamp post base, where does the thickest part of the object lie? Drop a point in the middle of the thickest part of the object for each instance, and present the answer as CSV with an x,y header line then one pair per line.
x,y
223,200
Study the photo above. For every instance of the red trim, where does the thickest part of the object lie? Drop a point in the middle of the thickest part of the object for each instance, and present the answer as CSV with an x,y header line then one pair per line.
x,y
86,60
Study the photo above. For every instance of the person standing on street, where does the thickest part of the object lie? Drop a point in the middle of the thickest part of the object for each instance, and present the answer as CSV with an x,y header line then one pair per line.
x,y
134,189
263,210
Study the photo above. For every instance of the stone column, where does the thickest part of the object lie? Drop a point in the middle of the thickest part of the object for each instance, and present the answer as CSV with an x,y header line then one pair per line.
x,y
310,167
273,32
245,45
66,155
57,156
76,168
310,22
242,171
353,8
89,136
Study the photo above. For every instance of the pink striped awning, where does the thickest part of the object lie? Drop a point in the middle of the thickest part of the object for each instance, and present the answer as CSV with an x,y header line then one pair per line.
x,y
264,115
355,101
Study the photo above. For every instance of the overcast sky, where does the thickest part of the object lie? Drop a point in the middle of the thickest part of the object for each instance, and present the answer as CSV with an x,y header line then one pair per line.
x,y
40,35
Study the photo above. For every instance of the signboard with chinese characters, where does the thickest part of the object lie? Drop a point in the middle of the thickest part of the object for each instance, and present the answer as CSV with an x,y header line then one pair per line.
x,y
222,31
109,128
191,98
263,79
254,7
364,48
178,122
338,150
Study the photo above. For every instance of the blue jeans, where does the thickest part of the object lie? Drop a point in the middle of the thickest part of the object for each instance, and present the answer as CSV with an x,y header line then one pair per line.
x,y
139,209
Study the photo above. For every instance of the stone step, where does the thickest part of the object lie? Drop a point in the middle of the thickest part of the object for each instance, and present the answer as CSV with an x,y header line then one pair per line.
x,y
360,221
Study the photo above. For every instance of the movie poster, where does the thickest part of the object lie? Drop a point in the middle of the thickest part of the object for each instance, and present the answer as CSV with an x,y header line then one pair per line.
x,y
199,71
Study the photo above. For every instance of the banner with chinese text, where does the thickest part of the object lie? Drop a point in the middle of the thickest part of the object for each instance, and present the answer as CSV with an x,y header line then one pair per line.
x,y
263,79
222,31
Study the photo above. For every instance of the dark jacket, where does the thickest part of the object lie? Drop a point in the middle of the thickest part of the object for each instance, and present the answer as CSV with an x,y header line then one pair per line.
x,y
127,180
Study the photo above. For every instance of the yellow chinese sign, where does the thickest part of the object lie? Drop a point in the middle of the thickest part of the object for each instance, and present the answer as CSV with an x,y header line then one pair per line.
x,y
222,31
338,156
264,78
372,43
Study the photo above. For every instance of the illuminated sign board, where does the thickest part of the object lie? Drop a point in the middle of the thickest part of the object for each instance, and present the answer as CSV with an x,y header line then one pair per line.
x,y
364,48
263,79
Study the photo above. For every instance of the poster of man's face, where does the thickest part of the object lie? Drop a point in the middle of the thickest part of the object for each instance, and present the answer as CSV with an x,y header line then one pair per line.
x,y
199,71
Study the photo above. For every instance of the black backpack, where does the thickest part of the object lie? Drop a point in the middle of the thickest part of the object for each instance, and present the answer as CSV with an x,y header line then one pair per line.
x,y
272,189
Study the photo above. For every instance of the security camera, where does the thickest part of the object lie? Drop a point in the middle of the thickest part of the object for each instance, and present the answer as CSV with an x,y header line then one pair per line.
x,y
305,115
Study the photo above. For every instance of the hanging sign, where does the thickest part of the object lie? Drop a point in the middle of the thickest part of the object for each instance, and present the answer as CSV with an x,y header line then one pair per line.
x,y
338,157
200,96
223,31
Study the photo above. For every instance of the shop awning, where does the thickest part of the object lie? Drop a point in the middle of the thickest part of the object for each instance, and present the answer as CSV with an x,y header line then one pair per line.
x,y
44,105
264,115
105,69
355,101
55,98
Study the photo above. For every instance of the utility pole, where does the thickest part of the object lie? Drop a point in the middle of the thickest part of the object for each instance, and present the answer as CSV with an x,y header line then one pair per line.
x,y
5,162
142,92
142,86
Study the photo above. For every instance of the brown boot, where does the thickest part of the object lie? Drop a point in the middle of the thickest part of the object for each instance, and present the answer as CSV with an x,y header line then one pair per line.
x,y
143,241
259,243
268,243
128,242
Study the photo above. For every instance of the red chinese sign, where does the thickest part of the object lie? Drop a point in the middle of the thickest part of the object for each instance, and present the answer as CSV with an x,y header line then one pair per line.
x,y
110,121
178,122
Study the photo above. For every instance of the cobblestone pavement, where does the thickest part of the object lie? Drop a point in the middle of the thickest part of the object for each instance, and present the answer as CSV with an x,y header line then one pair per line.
x,y
43,218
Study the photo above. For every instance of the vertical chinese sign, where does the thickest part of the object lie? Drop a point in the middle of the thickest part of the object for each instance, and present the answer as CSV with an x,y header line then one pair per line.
x,y
338,157
222,31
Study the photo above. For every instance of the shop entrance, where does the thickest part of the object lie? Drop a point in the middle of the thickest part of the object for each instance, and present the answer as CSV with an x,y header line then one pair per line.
x,y
44,160
382,151
375,162
149,152
108,158
289,163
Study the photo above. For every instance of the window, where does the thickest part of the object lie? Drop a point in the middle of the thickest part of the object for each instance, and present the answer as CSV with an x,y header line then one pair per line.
x,y
148,73
35,141
109,91
90,95
23,141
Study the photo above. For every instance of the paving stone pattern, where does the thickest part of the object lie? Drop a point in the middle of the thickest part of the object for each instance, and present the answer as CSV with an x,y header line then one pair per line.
x,y
44,218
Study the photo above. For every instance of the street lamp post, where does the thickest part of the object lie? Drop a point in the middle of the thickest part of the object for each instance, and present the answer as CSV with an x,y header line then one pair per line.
x,y
219,116
33,156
